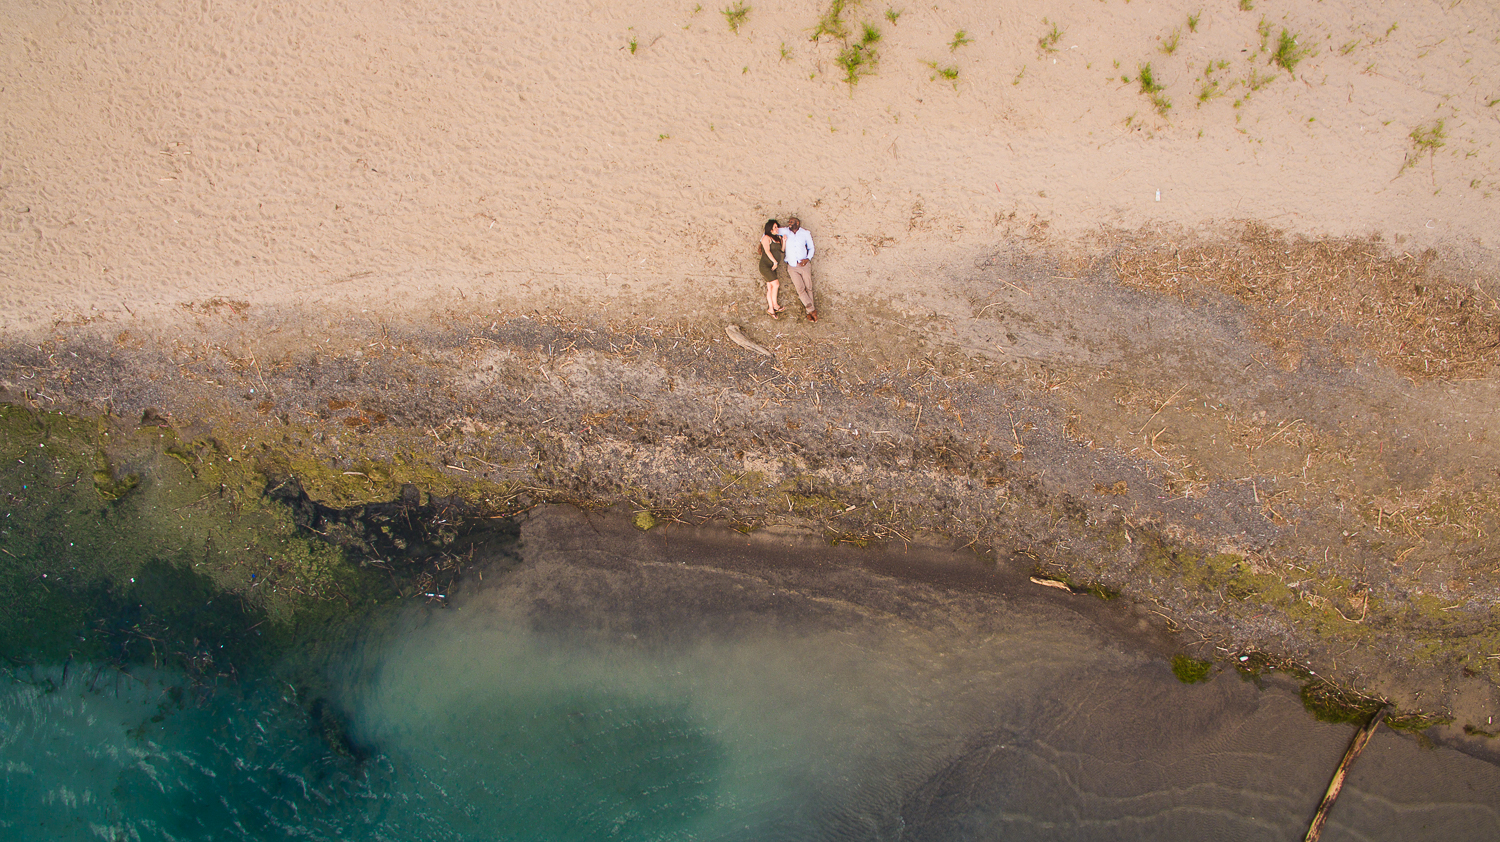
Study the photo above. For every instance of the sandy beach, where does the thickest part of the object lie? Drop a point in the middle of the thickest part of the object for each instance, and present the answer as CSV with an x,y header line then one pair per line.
x,y
1197,302
576,155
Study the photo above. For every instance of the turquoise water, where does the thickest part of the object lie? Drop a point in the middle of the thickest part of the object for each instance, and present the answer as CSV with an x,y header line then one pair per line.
x,y
651,691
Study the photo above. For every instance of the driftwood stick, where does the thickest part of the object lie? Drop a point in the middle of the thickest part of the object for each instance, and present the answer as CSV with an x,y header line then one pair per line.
x,y
1356,745
744,341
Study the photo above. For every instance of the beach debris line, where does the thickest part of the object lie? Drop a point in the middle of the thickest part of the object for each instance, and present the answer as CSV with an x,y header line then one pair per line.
x,y
744,341
1356,746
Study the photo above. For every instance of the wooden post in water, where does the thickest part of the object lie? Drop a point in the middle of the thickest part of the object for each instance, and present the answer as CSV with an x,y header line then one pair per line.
x,y
1356,745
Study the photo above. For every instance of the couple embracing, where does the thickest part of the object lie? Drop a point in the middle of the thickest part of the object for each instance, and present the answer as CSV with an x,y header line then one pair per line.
x,y
791,246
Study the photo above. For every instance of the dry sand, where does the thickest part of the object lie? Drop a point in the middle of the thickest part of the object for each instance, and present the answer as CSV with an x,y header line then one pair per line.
x,y
567,155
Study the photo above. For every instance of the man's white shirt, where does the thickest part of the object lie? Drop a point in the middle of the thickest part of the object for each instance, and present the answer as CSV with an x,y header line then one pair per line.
x,y
797,246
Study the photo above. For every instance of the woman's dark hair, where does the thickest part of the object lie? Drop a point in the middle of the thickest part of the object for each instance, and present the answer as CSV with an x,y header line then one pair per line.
x,y
771,226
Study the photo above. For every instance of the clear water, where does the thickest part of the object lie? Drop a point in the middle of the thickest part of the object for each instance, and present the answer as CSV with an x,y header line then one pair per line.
x,y
608,693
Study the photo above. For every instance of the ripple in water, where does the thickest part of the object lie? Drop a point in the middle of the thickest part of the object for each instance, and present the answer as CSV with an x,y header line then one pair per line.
x,y
106,755
615,687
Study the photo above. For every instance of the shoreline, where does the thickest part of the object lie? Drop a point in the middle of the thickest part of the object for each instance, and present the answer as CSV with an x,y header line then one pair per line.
x,y
755,641
1194,304
1250,513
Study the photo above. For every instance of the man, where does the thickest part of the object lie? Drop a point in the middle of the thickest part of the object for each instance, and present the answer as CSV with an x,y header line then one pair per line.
x,y
797,247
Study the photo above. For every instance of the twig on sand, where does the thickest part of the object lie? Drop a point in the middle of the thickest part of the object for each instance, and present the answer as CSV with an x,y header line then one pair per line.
x,y
1051,583
1357,745
1164,405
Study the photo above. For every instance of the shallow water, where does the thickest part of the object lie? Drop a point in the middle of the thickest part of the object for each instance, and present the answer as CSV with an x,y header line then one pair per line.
x,y
616,686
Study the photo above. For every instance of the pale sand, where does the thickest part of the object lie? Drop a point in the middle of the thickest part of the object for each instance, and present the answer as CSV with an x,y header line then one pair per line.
x,y
395,156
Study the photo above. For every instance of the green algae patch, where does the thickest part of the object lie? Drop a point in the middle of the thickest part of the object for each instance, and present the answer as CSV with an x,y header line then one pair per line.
x,y
1190,670
1416,721
1227,574
371,470
812,497
644,521
1330,703
132,545
108,484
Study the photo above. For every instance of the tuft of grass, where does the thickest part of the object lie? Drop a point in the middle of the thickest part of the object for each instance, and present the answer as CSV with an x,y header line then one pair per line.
x,y
949,74
1193,21
1048,42
786,52
1020,74
893,15
1428,138
832,24
1149,85
735,15
1255,81
856,62
634,45
1212,88
1348,47
1425,140
1288,53
1169,44
1246,5
1151,89
860,58
960,38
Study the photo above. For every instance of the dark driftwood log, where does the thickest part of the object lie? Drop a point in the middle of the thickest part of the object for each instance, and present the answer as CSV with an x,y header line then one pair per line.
x,y
1356,745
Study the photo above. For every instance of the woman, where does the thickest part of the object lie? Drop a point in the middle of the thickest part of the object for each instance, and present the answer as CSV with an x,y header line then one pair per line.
x,y
771,259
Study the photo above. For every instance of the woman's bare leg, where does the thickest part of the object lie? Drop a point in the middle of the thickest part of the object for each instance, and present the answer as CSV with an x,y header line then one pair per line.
x,y
773,288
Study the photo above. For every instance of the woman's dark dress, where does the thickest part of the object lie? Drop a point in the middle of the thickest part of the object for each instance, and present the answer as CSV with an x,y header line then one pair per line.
x,y
766,271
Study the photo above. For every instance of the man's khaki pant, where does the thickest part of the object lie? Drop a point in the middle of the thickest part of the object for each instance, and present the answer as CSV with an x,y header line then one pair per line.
x,y
802,280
